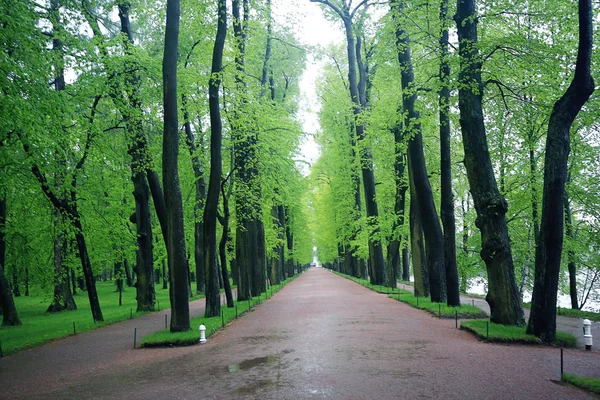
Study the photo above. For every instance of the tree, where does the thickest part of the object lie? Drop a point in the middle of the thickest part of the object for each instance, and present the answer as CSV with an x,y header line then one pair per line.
x,y
178,266
7,304
126,97
213,298
375,246
447,201
423,196
503,296
542,320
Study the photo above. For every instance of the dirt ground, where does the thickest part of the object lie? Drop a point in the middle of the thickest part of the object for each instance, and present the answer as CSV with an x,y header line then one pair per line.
x,y
322,336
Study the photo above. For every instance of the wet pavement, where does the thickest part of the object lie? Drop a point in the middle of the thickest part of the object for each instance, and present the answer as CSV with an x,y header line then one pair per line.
x,y
322,336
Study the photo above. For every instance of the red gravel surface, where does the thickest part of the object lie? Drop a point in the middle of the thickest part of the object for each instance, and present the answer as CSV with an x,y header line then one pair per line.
x,y
322,336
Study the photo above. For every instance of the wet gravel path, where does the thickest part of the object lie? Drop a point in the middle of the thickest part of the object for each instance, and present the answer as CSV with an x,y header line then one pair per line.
x,y
322,336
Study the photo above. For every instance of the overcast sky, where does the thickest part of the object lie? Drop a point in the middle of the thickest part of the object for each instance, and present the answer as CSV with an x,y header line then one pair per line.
x,y
312,29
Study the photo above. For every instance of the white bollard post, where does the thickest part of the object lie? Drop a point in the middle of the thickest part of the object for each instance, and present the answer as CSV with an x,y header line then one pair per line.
x,y
202,334
587,334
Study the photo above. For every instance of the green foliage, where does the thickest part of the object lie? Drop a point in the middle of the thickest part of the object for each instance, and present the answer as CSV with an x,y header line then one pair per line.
x,y
40,327
486,330
584,382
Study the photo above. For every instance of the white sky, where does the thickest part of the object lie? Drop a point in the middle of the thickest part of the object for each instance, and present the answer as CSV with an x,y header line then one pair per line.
x,y
311,29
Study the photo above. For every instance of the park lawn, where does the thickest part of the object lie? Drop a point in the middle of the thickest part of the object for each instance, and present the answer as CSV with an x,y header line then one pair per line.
x,y
165,338
486,330
569,312
584,382
40,327
441,310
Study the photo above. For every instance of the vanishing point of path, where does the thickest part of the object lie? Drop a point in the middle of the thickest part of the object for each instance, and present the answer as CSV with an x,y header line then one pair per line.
x,y
322,336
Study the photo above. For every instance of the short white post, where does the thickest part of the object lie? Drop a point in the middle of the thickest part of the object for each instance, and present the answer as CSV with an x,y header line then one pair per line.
x,y
202,334
587,334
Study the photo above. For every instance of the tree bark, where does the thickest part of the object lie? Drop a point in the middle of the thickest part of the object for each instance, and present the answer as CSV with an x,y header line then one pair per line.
x,y
213,298
542,320
394,251
10,316
503,295
572,266
417,246
176,252
290,244
376,260
434,239
247,184
63,297
200,200
447,200
405,263
223,248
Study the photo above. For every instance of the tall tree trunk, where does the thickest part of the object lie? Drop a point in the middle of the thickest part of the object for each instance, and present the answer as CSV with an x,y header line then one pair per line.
x,y
503,294
447,201
277,260
88,272
223,248
542,320
200,200
128,277
394,251
213,298
405,263
572,267
290,244
434,239
144,265
176,252
417,246
63,297
359,100
7,303
261,272
359,96
247,185
128,101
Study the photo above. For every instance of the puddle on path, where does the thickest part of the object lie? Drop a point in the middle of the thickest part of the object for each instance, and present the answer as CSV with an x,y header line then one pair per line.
x,y
253,362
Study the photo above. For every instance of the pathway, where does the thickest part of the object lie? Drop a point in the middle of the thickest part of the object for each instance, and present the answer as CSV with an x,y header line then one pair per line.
x,y
322,336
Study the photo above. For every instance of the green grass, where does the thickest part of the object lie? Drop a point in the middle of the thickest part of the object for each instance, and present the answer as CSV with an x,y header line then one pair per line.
x,y
584,382
441,310
569,312
40,327
486,330
165,338
424,303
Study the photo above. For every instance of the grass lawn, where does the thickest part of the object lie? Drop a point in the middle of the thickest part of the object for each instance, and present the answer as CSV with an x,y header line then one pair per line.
x,y
591,384
441,310
424,303
40,327
486,330
165,338
569,312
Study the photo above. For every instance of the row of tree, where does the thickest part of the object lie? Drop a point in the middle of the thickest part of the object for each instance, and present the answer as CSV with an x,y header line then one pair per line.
x,y
516,81
87,121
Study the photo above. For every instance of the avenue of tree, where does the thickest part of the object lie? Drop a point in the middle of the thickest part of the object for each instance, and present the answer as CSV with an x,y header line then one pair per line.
x,y
437,120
